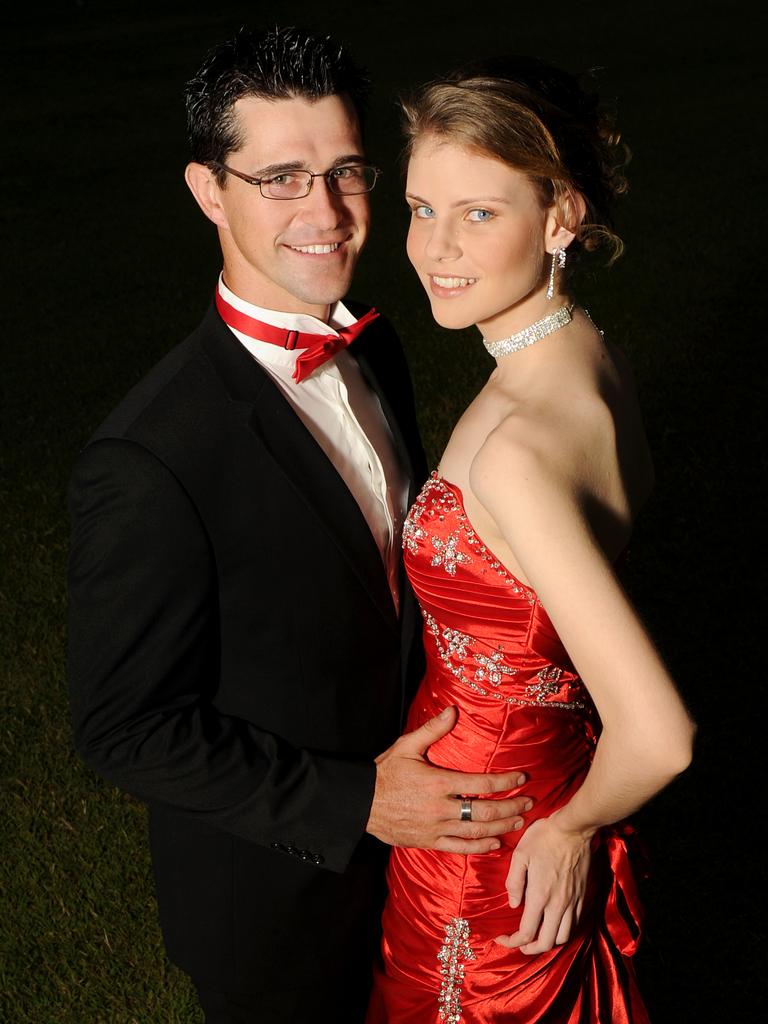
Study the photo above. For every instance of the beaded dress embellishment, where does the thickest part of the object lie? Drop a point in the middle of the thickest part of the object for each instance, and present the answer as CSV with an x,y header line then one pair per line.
x,y
454,649
454,952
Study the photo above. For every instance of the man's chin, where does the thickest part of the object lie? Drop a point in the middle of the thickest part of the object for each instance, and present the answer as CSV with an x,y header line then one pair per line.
x,y
324,293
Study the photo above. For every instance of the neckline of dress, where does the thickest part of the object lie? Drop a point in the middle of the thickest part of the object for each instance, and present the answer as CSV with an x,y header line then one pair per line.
x,y
456,490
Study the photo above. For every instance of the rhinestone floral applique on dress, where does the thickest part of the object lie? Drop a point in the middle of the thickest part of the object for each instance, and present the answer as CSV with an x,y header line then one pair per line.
x,y
454,953
548,683
447,553
437,496
455,649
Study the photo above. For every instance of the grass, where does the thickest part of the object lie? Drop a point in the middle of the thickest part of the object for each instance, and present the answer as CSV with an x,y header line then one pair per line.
x,y
108,264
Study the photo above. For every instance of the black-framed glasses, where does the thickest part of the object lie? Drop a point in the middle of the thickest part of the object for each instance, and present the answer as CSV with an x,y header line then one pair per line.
x,y
346,180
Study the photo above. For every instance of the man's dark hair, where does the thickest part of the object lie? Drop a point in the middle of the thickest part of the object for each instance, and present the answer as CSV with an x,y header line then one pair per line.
x,y
278,63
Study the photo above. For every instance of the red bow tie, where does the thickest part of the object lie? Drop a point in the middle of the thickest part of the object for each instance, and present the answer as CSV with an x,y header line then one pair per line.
x,y
317,348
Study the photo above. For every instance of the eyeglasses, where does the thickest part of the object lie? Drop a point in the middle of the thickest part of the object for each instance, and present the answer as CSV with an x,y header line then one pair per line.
x,y
347,180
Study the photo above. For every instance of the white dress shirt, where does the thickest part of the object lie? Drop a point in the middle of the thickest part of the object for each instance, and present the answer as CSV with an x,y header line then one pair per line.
x,y
344,416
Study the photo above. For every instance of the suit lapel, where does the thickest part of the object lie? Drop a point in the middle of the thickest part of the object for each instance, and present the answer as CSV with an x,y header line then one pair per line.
x,y
301,460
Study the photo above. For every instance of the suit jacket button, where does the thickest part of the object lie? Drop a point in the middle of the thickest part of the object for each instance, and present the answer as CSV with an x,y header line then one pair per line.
x,y
318,858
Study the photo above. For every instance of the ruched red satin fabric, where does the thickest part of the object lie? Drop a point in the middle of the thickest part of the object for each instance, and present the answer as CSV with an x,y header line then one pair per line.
x,y
494,654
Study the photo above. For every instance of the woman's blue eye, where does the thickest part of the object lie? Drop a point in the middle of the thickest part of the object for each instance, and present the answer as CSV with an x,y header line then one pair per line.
x,y
480,215
422,211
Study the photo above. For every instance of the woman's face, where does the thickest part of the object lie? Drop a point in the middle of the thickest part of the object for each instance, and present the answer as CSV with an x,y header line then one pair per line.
x,y
478,237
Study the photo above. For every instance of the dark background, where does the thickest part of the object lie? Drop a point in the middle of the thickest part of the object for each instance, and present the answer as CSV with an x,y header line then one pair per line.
x,y
107,263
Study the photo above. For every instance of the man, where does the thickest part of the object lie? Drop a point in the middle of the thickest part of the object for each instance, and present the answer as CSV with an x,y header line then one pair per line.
x,y
240,631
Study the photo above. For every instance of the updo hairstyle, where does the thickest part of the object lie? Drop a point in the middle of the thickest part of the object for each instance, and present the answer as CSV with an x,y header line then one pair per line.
x,y
540,121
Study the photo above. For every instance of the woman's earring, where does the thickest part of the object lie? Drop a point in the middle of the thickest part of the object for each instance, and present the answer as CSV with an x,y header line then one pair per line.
x,y
558,256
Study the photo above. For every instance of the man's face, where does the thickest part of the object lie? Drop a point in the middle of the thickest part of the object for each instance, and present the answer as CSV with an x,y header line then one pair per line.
x,y
295,255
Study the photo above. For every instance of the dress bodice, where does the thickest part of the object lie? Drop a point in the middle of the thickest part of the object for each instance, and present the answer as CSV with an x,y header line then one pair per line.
x,y
486,633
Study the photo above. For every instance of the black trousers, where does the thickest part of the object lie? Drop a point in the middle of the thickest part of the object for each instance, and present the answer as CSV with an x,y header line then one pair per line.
x,y
228,1008
291,1007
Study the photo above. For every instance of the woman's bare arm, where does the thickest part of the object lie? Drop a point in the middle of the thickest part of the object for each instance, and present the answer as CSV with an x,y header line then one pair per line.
x,y
647,733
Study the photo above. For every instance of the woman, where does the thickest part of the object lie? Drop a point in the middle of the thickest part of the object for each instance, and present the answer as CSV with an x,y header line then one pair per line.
x,y
510,549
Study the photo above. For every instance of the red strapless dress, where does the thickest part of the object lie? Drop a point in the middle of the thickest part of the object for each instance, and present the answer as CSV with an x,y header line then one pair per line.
x,y
494,654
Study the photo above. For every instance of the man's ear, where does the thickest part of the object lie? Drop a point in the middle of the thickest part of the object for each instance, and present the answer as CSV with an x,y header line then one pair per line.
x,y
563,220
204,187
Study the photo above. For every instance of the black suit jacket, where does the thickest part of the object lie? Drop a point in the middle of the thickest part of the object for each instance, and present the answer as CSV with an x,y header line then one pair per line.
x,y
235,661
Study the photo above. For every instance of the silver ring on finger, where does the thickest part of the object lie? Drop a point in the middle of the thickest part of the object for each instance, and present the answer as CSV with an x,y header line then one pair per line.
x,y
465,814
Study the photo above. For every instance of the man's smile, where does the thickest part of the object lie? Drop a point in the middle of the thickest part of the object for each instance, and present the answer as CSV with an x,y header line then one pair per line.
x,y
318,249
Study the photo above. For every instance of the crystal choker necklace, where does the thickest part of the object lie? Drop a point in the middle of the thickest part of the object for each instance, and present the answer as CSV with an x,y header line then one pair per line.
x,y
529,335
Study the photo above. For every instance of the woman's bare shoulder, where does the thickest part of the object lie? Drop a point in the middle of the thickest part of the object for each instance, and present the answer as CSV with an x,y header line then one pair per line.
x,y
525,448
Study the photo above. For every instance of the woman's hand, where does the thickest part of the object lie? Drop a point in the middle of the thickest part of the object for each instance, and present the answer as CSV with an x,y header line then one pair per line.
x,y
549,871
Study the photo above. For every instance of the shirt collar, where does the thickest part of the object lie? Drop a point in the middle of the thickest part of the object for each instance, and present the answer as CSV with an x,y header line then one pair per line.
x,y
339,315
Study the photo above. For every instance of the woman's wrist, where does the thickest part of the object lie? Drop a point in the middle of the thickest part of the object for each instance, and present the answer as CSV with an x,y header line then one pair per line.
x,y
562,820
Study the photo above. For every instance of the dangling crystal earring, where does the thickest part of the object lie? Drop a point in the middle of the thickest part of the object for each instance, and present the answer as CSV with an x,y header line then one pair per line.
x,y
558,256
